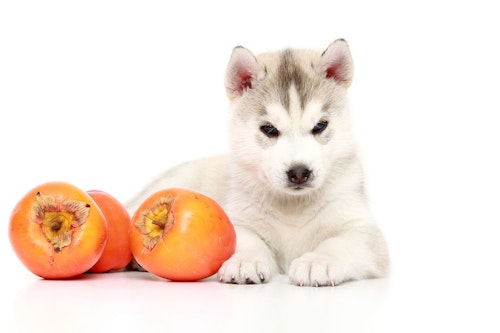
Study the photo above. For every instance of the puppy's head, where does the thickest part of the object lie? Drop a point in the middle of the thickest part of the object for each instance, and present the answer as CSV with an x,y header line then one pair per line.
x,y
289,120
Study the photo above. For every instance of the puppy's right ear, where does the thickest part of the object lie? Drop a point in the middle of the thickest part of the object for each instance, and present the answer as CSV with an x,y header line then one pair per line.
x,y
241,73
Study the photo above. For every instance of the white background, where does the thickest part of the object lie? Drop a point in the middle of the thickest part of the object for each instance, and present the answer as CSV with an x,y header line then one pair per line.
x,y
106,94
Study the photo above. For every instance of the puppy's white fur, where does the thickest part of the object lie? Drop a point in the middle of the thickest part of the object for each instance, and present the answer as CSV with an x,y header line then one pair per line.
x,y
292,182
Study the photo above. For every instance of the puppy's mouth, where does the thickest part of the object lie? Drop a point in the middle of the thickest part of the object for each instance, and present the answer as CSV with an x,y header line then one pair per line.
x,y
299,189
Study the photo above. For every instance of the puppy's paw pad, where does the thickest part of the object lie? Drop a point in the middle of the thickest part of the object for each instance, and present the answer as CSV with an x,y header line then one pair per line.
x,y
312,270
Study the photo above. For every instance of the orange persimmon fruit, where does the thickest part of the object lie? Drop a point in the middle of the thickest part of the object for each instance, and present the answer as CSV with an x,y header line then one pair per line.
x,y
117,253
181,235
57,230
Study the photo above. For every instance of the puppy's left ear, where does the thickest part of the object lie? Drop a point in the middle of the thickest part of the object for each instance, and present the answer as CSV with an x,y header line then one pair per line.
x,y
242,72
336,63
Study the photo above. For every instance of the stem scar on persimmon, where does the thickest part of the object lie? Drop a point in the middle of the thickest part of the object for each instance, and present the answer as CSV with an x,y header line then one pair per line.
x,y
161,224
155,221
58,218
56,225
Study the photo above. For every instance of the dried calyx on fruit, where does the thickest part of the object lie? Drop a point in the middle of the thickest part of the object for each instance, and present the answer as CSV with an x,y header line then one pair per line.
x,y
155,221
58,218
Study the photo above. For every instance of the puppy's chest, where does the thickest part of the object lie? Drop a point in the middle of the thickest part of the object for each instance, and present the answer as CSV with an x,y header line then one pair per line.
x,y
292,233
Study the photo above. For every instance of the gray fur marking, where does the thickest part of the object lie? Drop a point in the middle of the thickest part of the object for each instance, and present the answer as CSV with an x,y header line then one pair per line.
x,y
290,72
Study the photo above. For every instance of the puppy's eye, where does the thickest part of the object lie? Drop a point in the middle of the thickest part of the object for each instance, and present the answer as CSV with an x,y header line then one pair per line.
x,y
269,130
319,127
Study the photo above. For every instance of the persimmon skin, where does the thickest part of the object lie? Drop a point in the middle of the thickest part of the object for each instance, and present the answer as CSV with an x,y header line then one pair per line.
x,y
117,254
200,239
34,249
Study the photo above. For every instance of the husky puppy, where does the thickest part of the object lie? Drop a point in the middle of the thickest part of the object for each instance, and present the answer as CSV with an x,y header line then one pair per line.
x,y
292,182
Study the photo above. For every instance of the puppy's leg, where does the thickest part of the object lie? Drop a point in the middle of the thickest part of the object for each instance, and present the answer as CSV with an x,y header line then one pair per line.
x,y
253,261
358,252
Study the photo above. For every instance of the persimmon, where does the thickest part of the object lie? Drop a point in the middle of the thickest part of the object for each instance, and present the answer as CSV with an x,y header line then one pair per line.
x,y
181,235
117,253
57,230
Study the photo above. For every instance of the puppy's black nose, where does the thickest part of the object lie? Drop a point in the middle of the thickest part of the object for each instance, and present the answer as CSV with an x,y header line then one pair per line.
x,y
298,174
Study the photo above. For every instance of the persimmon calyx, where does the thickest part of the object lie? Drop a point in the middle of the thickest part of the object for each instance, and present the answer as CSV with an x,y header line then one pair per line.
x,y
156,221
58,218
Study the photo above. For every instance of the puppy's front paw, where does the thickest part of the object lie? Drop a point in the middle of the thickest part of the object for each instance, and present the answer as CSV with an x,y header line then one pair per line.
x,y
243,269
312,269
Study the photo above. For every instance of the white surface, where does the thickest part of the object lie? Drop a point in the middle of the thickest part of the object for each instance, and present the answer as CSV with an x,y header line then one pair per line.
x,y
140,302
105,94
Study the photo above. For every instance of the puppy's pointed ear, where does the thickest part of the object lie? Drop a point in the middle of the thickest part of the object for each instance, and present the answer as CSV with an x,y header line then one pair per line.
x,y
241,73
336,63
